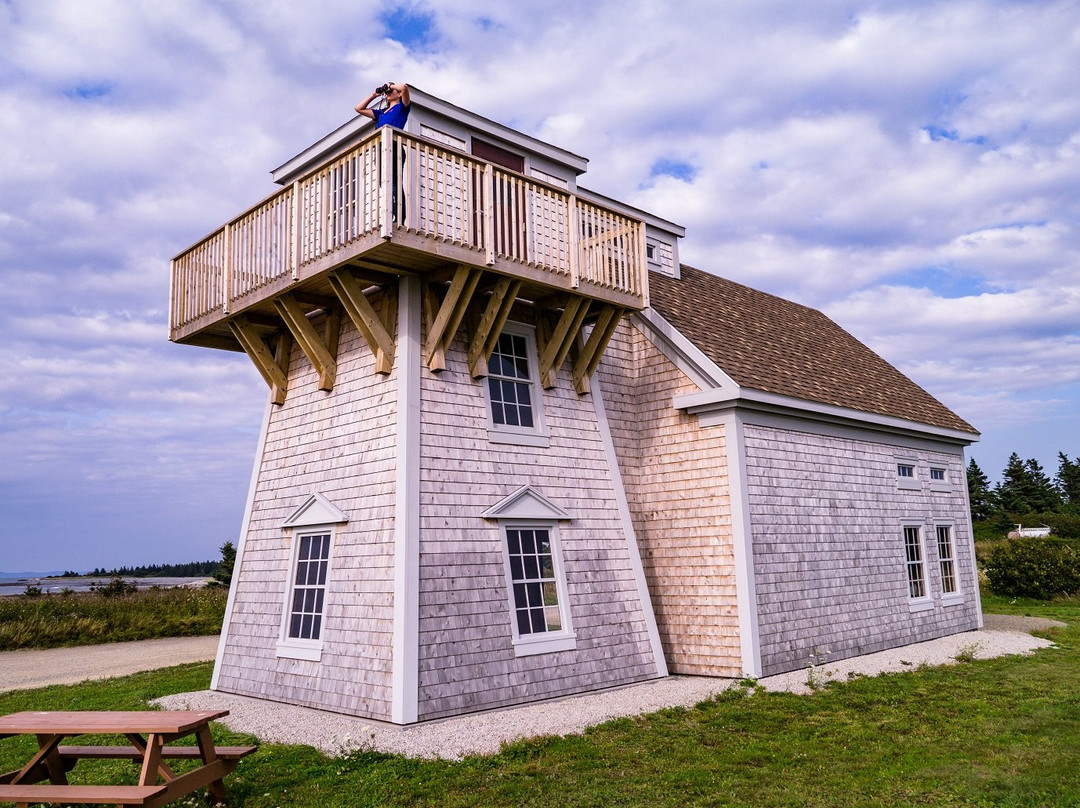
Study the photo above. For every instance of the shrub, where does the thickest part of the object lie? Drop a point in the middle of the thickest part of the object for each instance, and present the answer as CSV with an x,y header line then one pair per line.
x,y
1033,568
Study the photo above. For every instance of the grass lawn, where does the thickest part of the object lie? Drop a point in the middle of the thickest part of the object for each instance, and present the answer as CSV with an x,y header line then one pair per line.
x,y
1002,732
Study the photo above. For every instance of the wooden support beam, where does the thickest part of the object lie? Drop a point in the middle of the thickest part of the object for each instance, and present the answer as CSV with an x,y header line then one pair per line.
x,y
553,354
590,355
491,324
282,356
308,339
367,321
446,322
430,306
276,376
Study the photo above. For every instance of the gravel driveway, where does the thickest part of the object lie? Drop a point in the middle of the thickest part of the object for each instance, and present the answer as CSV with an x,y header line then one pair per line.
x,y
67,666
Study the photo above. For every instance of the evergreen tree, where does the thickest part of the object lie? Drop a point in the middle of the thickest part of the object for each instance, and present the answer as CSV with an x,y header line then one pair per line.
x,y
1068,481
223,575
979,492
1025,488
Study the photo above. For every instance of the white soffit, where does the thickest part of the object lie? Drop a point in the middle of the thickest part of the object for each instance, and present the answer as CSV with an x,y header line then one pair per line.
x,y
526,503
316,510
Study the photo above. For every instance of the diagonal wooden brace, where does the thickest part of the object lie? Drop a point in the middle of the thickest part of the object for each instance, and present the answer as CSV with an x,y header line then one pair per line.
x,y
367,321
446,322
597,343
273,372
553,354
491,324
308,339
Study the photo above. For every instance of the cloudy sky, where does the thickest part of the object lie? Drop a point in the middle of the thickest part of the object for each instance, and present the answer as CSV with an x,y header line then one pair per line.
x,y
911,168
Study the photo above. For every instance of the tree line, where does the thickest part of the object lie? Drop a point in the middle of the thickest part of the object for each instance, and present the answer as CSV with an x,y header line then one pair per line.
x,y
1025,490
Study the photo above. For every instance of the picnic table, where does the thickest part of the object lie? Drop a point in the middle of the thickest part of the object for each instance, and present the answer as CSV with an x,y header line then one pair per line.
x,y
147,731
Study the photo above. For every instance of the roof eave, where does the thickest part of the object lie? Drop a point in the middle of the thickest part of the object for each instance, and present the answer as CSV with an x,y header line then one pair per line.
x,y
760,400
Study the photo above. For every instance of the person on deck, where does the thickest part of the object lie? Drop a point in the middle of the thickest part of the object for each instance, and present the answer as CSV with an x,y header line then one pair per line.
x,y
397,108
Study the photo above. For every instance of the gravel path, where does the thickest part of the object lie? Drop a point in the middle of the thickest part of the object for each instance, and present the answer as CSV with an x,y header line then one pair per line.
x,y
484,733
67,666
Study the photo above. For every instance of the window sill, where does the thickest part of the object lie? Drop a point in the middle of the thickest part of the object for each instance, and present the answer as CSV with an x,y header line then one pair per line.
x,y
952,600
921,605
308,653
941,488
909,485
544,645
519,438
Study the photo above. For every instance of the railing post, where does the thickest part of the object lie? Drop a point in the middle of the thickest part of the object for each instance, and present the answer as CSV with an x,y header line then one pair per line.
x,y
227,269
575,243
294,230
642,265
487,194
386,190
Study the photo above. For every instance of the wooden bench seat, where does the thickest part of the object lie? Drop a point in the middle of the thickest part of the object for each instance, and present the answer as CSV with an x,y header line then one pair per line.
x,y
131,753
81,795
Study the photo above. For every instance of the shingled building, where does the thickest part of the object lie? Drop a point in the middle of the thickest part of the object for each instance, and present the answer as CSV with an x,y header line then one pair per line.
x,y
514,450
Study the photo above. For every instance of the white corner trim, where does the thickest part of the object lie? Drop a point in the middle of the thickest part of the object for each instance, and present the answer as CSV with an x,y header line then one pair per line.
x,y
683,353
633,550
241,542
526,503
743,545
406,663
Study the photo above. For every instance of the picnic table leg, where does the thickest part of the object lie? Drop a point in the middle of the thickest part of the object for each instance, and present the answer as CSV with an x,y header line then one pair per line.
x,y
152,764
209,755
48,756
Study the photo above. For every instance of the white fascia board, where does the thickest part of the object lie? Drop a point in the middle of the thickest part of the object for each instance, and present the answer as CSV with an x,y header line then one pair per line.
x,y
716,400
690,359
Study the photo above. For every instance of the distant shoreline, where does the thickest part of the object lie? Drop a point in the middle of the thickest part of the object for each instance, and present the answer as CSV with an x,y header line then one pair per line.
x,y
54,584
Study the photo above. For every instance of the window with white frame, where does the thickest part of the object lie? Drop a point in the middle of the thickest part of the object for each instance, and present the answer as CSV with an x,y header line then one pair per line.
x,y
538,602
305,606
513,388
946,548
915,562
939,479
906,475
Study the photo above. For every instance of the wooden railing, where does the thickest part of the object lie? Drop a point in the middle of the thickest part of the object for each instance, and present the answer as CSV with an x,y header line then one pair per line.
x,y
395,182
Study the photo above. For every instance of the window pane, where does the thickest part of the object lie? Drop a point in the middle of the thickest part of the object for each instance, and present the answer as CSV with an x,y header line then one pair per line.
x,y
554,619
538,623
520,600
532,567
516,570
536,597
528,541
524,626
513,539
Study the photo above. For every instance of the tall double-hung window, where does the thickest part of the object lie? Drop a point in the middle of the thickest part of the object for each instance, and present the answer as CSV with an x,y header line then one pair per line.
x,y
915,563
513,389
946,550
313,527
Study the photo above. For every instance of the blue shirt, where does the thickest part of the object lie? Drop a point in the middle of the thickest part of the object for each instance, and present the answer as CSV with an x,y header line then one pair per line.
x,y
394,116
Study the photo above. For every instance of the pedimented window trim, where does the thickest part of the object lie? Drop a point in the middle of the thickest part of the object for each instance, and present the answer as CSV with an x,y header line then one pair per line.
x,y
316,510
526,503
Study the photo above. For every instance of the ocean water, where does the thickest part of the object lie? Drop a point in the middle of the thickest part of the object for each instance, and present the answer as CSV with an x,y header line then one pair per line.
x,y
17,586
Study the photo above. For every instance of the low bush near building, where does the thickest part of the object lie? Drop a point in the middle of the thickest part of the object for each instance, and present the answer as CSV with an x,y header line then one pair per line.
x,y
1033,568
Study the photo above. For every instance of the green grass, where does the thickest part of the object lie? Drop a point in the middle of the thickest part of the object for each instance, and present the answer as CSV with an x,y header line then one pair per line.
x,y
998,732
87,618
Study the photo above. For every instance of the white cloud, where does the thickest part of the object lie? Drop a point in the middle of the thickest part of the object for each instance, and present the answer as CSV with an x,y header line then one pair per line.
x,y
911,167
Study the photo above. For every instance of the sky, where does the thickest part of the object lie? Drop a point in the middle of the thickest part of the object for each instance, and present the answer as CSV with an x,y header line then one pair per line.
x,y
910,168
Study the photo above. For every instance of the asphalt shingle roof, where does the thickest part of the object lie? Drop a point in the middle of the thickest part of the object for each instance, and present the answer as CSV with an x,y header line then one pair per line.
x,y
770,344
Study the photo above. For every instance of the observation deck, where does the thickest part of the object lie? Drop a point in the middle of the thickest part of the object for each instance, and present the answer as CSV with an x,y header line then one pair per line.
x,y
391,203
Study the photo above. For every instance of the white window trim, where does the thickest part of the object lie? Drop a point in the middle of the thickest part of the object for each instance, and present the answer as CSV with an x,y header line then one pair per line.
x,y
912,483
957,597
926,601
291,647
549,641
943,485
536,435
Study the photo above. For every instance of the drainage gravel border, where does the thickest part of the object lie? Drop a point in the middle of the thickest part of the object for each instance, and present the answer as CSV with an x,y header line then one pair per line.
x,y
485,733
